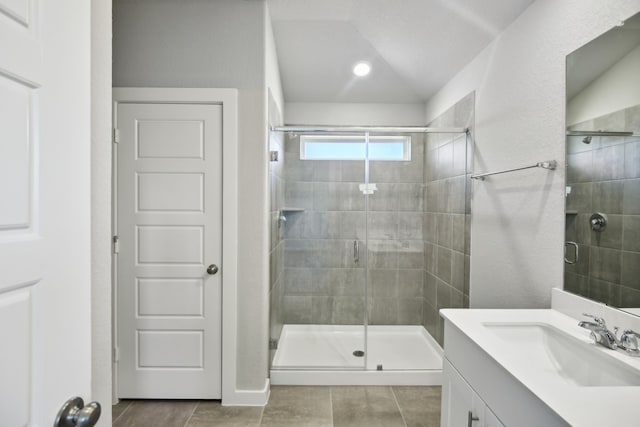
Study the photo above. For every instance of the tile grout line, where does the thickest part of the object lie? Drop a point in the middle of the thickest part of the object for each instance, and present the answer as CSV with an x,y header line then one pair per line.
x,y
395,398
192,412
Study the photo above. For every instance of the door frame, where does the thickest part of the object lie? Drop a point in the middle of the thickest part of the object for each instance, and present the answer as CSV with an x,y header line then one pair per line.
x,y
228,99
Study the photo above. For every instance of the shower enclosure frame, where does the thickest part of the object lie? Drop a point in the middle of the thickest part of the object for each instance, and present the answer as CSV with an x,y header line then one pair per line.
x,y
365,131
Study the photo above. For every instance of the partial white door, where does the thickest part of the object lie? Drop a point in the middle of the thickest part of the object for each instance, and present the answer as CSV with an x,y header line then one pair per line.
x,y
169,225
45,334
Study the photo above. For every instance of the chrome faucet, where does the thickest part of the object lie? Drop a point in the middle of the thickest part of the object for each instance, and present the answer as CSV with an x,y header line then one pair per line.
x,y
600,334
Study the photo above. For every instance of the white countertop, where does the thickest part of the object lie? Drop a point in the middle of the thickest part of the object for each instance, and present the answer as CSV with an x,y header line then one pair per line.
x,y
577,405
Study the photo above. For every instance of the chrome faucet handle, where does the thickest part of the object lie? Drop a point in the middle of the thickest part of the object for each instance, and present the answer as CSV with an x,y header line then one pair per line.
x,y
599,320
629,340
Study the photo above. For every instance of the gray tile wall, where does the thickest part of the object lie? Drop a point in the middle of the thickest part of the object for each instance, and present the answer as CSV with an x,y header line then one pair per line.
x,y
323,284
447,209
604,176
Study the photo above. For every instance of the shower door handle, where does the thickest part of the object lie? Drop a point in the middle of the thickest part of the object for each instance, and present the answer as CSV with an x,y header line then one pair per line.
x,y
356,252
576,256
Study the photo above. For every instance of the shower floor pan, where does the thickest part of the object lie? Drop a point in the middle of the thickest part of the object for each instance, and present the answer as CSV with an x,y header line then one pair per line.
x,y
324,355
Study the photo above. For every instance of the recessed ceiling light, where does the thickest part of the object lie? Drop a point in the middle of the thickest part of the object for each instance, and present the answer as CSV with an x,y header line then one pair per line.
x,y
361,69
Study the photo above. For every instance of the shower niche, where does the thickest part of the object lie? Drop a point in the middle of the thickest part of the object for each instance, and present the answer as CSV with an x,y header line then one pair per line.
x,y
369,239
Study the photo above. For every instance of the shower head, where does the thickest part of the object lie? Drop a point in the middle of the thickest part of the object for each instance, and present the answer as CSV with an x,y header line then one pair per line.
x,y
587,139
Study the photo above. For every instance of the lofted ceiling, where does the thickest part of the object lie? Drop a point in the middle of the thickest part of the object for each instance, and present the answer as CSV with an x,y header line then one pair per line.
x,y
414,46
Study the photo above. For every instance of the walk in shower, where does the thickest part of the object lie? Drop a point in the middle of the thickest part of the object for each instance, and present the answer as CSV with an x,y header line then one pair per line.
x,y
368,242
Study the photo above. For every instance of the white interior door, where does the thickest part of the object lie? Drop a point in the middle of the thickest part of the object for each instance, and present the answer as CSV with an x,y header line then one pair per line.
x,y
45,335
169,225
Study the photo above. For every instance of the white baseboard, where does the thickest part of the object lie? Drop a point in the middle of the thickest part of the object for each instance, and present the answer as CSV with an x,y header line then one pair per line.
x,y
248,397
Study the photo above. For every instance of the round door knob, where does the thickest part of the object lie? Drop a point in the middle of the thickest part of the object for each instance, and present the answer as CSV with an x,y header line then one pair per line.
x,y
212,269
75,414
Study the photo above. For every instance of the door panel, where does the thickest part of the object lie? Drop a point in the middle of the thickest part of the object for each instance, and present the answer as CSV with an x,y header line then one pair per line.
x,y
169,228
44,208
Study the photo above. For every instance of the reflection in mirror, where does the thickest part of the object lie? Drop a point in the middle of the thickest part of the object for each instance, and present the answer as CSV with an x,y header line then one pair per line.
x,y
602,251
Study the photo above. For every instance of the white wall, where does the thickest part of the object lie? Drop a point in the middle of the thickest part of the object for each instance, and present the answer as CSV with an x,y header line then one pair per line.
x,y
616,89
214,44
101,207
518,218
354,114
272,70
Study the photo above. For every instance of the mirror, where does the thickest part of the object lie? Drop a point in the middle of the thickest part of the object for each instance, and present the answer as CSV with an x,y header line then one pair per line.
x,y
602,244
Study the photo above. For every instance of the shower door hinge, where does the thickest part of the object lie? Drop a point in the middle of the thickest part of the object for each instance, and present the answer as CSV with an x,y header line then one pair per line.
x,y
116,135
116,245
273,344
116,354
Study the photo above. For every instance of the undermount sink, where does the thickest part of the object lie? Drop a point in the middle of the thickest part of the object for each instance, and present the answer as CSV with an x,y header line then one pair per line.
x,y
549,351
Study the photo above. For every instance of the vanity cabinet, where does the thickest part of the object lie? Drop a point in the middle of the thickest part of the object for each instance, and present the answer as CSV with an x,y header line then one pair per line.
x,y
474,381
461,405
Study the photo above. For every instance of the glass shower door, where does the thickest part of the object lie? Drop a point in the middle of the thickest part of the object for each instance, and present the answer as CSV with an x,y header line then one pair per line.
x,y
323,226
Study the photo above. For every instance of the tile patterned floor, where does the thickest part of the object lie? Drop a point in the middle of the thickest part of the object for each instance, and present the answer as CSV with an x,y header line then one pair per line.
x,y
298,406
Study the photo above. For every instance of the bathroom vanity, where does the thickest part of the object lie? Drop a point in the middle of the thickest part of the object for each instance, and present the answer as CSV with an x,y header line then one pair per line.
x,y
532,368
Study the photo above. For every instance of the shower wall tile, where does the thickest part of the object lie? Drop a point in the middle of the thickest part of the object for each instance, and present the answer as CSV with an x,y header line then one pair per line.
x,y
383,311
443,297
430,319
410,311
429,229
298,281
382,254
456,299
445,161
383,225
299,194
348,310
579,167
410,283
631,233
608,196
409,197
353,171
632,159
629,297
443,266
411,254
385,198
322,310
429,288
631,195
326,170
383,283
410,225
611,237
457,195
457,271
580,197
430,253
352,225
296,169
297,309
459,156
457,233
447,182
631,270
608,163
605,264
444,230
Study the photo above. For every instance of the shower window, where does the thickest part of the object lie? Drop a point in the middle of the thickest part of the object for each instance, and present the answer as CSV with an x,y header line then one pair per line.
x,y
353,147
